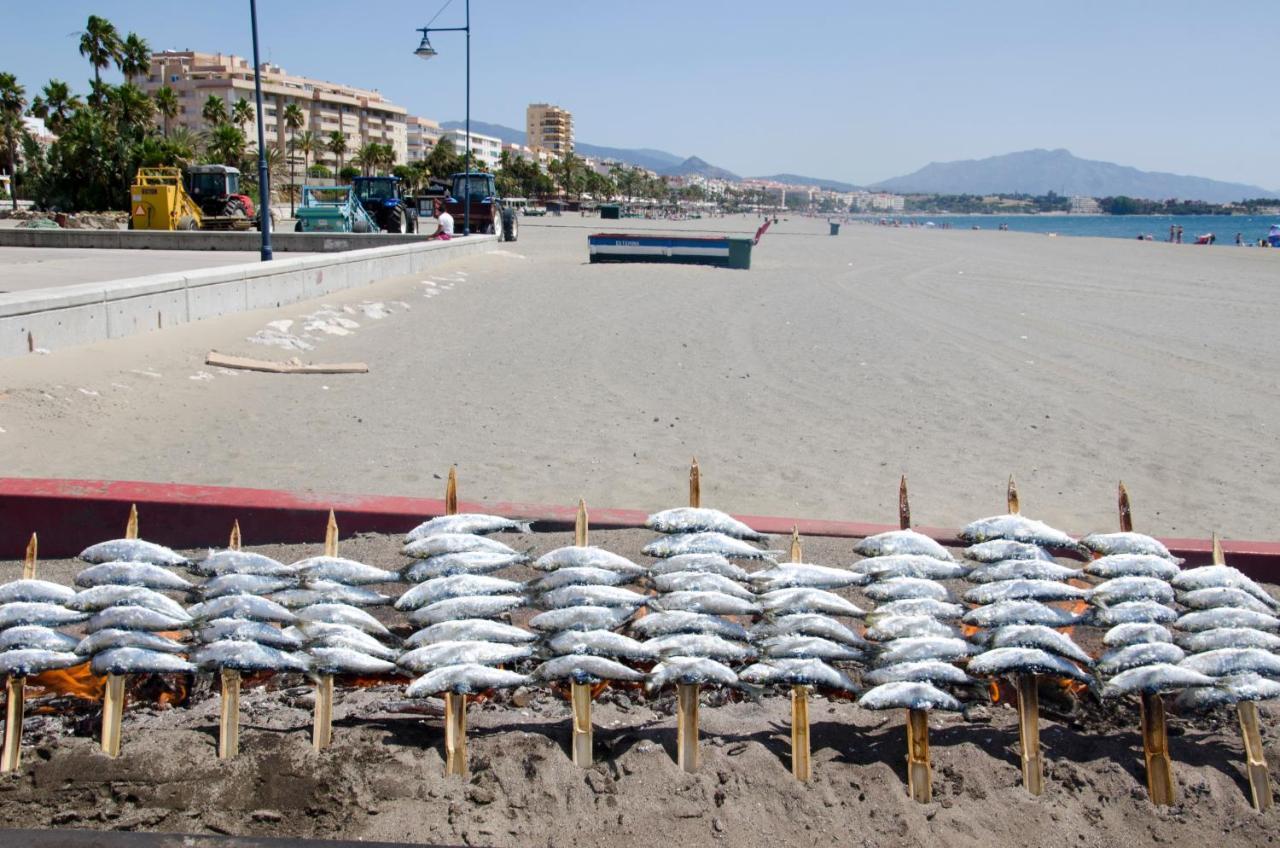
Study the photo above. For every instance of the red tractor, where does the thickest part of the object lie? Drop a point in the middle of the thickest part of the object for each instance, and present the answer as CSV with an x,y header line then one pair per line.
x,y
216,190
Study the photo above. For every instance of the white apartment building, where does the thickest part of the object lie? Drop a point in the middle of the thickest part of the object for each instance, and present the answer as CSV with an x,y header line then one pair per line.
x,y
484,148
520,151
1081,205
421,135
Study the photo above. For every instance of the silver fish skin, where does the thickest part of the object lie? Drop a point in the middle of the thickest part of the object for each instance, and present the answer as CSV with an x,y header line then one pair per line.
x,y
1024,590
248,607
1040,637
346,571
35,592
696,581
342,614
486,606
1131,612
581,618
999,661
586,668
808,647
456,586
1195,622
105,640
138,661
251,631
1225,662
913,648
1160,677
18,613
1136,633
918,671
329,592
801,575
1132,565
591,596
1017,528
218,563
35,636
682,621
1214,597
1109,544
909,565
701,563
578,576
808,624
797,672
998,550
890,627
453,543
464,679
142,574
899,542
424,659
700,645
1222,637
688,519
471,630
242,655
1132,656
466,562
131,550
1207,576
577,556
940,610
1021,569
1229,691
133,618
100,597
707,603
904,588
1002,613
785,601
600,643
349,639
25,662
335,659
701,670
1121,589
473,523
244,584
911,695
706,543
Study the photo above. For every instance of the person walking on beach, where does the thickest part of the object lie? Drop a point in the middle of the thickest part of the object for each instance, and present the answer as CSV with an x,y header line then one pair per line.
x,y
1239,240
1179,234
1172,232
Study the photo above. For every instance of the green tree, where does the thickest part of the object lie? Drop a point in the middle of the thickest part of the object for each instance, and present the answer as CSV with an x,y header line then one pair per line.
x,y
368,157
242,113
100,44
166,100
214,111
134,57
306,143
443,161
132,108
183,147
55,105
13,103
337,145
227,145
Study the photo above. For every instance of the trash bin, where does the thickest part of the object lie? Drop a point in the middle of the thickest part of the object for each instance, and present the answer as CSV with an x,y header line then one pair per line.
x,y
610,211
740,253
835,227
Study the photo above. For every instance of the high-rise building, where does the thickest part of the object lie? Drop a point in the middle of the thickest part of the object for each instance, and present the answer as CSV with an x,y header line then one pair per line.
x,y
549,128
484,148
361,115
421,134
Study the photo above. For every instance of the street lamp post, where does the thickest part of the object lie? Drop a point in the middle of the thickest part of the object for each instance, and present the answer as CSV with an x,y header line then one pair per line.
x,y
426,51
264,181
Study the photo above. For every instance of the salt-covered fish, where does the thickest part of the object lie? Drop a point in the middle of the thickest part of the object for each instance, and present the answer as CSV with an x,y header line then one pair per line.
x,y
218,563
581,618
1132,565
245,584
131,550
1208,576
329,592
334,659
1213,597
911,695
702,563
909,565
1132,612
1132,656
1121,589
808,647
1002,613
473,523
797,672
456,586
700,645
591,596
101,597
888,627
681,621
464,679
896,542
784,601
1136,633
478,606
1159,677
243,655
340,570
601,643
453,543
1228,691
35,592
142,574
17,613
104,640
940,610
998,550
696,581
1109,544
1021,569
578,576
343,614
918,671
1195,622
1024,590
586,556
470,629
251,631
26,662
1036,636
35,636
138,661
699,670
248,607
347,638
912,648
1224,662
439,654
133,618
902,588
706,543
586,668
688,519
466,562
1017,528
807,624
999,661
708,603
1222,637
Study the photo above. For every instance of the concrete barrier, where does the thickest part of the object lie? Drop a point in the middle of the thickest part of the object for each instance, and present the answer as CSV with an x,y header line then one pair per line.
x,y
91,312
250,240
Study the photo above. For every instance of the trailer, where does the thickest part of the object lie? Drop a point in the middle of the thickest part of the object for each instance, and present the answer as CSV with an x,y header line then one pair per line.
x,y
332,209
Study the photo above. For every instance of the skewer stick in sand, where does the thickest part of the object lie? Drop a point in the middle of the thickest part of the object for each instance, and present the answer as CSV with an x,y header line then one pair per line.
x,y
322,721
229,717
1155,735
455,704
1255,760
15,708
687,755
113,695
583,741
1028,703
801,767
919,769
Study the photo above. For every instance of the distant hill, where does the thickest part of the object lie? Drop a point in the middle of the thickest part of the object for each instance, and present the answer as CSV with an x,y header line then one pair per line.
x,y
1041,171
693,166
654,160
815,182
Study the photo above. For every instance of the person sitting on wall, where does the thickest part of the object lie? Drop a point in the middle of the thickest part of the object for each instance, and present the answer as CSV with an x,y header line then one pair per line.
x,y
444,228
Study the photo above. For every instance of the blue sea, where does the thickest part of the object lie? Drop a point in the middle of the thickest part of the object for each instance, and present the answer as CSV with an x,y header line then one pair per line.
x,y
1225,227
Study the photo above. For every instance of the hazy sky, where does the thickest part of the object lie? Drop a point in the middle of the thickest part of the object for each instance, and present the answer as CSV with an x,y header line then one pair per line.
x,y
845,90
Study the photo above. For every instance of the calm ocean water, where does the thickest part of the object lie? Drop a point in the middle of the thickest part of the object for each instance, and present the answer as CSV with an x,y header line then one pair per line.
x,y
1225,227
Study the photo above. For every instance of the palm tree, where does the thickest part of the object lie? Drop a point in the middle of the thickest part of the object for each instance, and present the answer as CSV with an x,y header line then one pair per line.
x,y
55,106
293,120
134,58
100,44
227,145
337,145
242,113
131,106
184,146
214,111
307,143
166,100
367,157
12,103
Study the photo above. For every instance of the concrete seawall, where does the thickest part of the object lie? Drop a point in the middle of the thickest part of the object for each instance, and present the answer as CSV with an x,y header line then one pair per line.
x,y
92,312
281,242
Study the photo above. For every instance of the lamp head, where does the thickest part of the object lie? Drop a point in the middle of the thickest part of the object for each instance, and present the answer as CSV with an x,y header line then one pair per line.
x,y
425,50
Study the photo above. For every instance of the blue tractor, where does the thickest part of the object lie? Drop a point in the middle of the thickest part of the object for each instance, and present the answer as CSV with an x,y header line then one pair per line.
x,y
383,198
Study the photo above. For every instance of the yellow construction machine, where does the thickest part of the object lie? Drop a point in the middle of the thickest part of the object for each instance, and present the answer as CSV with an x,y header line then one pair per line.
x,y
159,201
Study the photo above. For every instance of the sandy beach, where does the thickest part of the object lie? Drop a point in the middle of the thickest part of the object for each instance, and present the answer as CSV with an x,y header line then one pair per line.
x,y
804,386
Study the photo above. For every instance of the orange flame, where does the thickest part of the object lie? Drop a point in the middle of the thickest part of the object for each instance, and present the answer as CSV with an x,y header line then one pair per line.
x,y
1002,691
77,681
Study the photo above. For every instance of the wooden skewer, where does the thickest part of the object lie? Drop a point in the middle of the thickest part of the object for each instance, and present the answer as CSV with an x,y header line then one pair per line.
x,y
904,505
801,767
131,526
229,720
113,695
234,542
687,754
695,484
1029,733
580,693
331,536
455,734
451,492
1012,496
15,702
1126,511
322,719
919,771
29,561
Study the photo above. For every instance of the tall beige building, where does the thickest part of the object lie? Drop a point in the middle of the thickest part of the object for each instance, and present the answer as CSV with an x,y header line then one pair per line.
x,y
359,114
549,128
